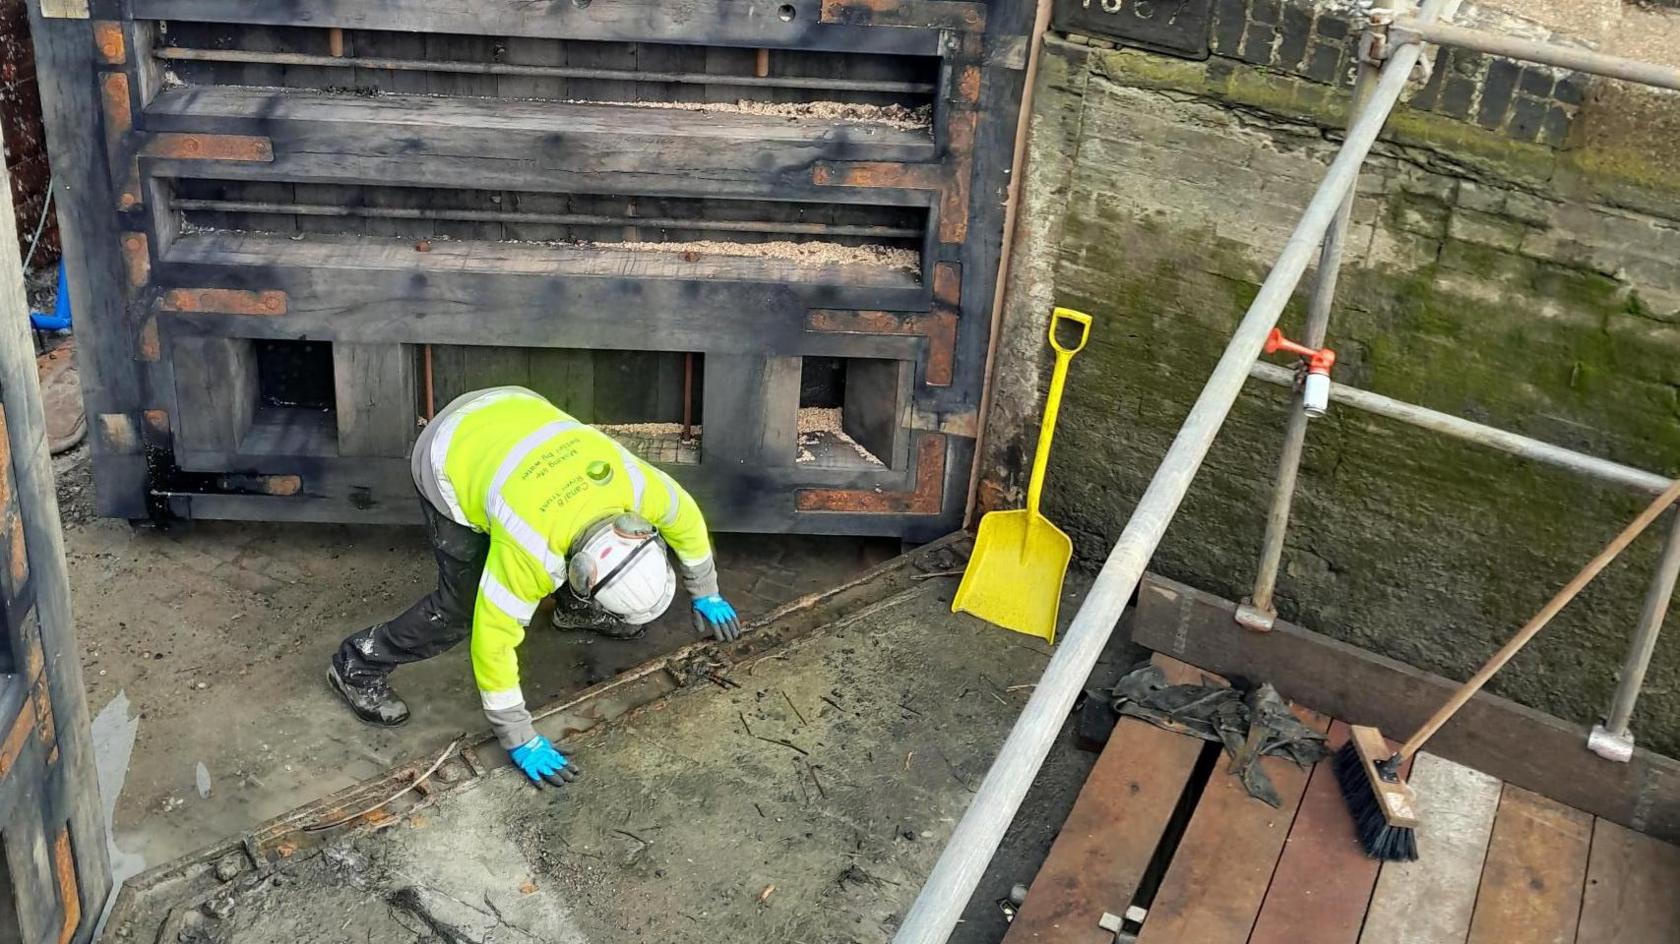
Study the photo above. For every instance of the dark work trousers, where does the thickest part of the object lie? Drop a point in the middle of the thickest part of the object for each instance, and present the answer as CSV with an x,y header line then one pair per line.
x,y
431,626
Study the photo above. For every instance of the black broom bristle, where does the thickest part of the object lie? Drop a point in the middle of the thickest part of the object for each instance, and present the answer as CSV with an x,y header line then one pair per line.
x,y
1380,839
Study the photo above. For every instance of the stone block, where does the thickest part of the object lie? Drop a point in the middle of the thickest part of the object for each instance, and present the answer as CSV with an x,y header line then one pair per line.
x,y
1418,216
1297,33
1428,97
1258,40
1501,85
1230,18
1486,229
1554,129
1528,117
1481,197
1416,181
1571,88
1537,81
1471,65
1528,208
1487,272
1226,38
1269,12
1323,63
1458,94
1333,26
1400,251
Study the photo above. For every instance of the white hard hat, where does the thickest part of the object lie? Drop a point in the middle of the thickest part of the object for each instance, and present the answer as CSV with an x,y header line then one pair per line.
x,y
621,564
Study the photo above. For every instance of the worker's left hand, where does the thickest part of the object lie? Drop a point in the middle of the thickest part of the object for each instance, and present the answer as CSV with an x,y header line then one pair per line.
x,y
715,617
543,763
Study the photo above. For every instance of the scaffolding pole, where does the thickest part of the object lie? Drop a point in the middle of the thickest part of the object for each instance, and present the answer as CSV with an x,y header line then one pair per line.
x,y
1258,613
1414,30
951,884
1492,437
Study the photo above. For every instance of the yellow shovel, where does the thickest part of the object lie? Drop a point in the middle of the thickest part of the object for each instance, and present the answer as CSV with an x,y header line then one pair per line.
x,y
1014,577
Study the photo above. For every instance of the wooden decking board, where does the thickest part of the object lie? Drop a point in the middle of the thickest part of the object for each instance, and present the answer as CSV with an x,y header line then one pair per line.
x,y
1324,879
1110,836
1219,876
1633,889
1513,742
1431,901
1498,863
1536,865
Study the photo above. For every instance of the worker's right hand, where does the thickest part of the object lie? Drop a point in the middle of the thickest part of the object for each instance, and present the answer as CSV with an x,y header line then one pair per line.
x,y
542,763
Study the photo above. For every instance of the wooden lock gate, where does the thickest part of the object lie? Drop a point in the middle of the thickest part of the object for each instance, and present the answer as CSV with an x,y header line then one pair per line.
x,y
294,229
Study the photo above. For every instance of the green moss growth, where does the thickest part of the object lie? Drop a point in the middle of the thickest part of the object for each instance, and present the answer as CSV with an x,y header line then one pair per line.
x,y
1424,548
1412,544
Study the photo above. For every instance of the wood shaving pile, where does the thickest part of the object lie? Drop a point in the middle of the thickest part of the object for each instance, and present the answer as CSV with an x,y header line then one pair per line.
x,y
817,419
897,117
807,253
819,424
646,429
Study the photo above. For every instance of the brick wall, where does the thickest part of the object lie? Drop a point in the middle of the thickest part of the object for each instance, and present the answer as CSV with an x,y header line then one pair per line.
x,y
1514,258
20,121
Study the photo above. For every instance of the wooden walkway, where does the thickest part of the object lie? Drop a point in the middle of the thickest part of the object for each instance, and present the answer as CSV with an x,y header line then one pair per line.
x,y
1498,864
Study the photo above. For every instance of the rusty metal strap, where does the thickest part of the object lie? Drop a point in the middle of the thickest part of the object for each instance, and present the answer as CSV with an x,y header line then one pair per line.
x,y
171,145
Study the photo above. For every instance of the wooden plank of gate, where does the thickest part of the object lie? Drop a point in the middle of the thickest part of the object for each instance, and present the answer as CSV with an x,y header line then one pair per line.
x,y
1630,895
1218,878
1110,836
1430,901
1324,879
1536,865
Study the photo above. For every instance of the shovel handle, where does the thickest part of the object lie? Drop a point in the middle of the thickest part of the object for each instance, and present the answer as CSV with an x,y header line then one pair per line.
x,y
1053,403
1076,317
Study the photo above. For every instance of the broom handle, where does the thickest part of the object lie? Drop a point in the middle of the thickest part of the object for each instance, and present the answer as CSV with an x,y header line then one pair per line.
x,y
1469,689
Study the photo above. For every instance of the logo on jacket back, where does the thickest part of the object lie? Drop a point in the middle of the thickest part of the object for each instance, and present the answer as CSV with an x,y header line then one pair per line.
x,y
599,472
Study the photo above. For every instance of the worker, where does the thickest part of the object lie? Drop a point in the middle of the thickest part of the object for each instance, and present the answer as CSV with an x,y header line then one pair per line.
x,y
521,502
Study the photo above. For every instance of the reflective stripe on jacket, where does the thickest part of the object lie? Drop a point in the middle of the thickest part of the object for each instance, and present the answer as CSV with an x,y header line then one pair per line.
x,y
509,464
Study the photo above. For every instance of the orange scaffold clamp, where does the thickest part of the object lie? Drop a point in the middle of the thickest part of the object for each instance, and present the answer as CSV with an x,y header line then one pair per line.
x,y
1315,390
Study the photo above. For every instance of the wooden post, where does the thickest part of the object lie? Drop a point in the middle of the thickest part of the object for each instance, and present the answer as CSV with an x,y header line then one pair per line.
x,y
67,798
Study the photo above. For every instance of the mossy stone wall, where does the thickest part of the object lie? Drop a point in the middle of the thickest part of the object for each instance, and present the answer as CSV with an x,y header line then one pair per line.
x,y
1532,287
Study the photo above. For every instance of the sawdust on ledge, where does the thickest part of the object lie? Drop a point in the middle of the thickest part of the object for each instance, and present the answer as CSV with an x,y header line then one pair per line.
x,y
819,423
806,253
897,117
646,429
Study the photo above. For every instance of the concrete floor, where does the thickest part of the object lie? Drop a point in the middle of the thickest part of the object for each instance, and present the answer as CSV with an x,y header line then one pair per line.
x,y
217,636
805,803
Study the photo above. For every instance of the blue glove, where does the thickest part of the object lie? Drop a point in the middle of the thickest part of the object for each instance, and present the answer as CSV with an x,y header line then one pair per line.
x,y
715,617
541,762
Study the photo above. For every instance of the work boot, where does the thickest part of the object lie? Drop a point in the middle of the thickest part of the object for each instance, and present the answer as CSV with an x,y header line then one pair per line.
x,y
371,698
571,613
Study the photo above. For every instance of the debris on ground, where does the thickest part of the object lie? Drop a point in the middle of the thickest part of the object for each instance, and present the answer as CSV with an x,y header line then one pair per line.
x,y
1252,724
739,813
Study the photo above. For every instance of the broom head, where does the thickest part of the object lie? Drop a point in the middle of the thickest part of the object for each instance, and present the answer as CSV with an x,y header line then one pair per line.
x,y
1384,808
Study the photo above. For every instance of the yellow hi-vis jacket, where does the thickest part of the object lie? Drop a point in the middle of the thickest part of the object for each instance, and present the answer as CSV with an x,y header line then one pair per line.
x,y
509,464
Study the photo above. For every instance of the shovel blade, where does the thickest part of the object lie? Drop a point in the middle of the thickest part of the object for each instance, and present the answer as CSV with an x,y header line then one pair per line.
x,y
1014,577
